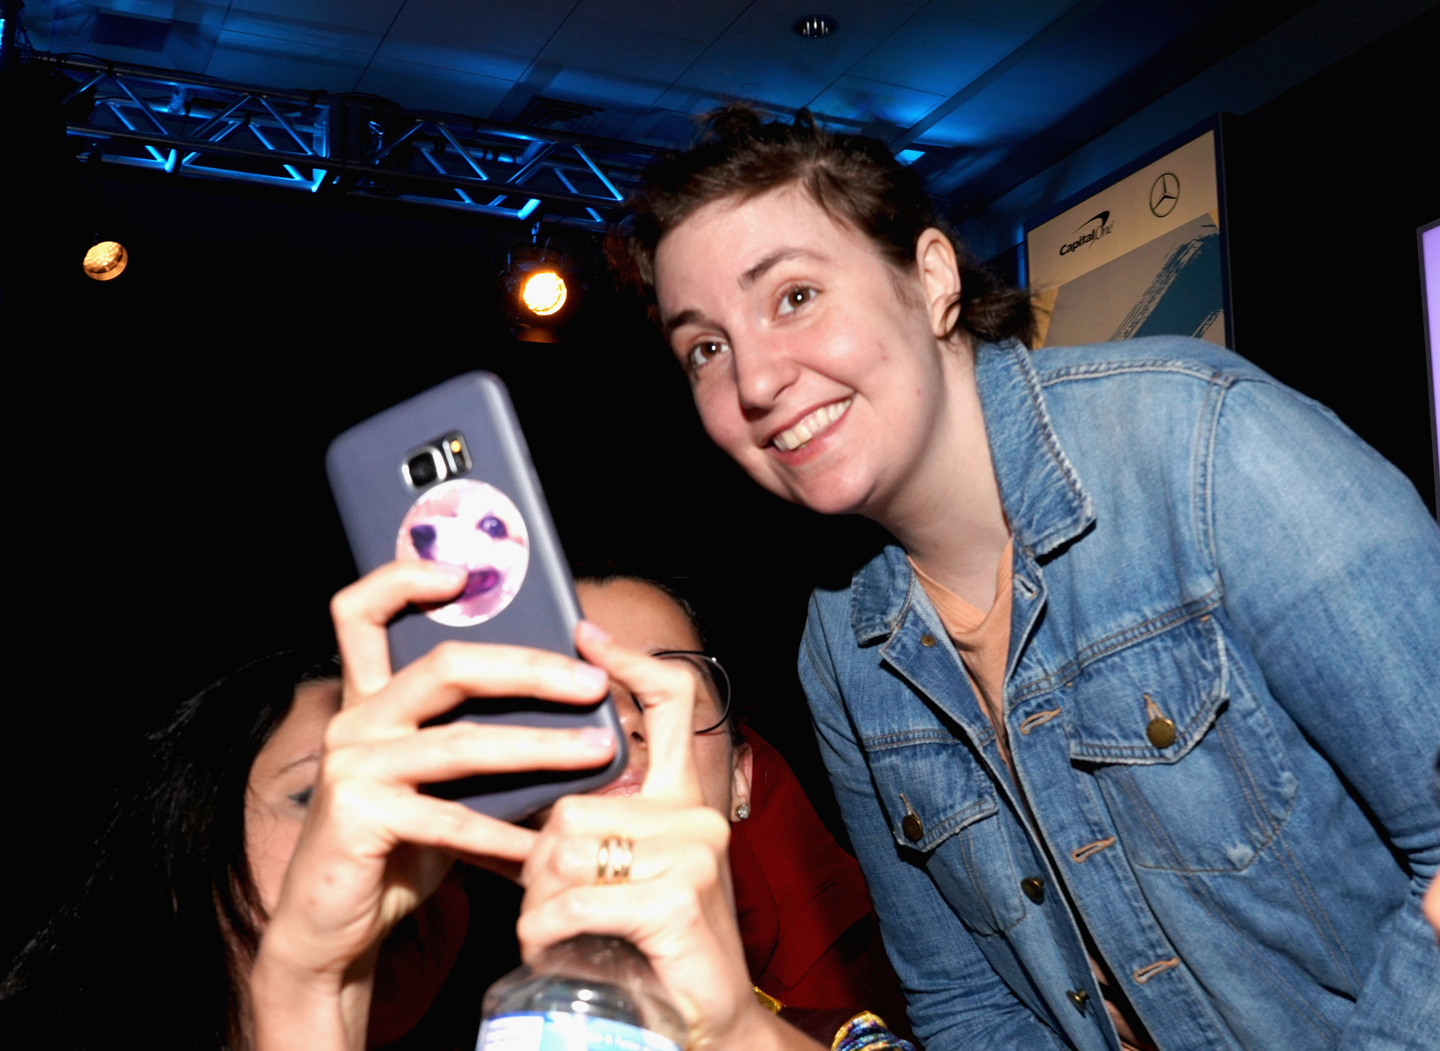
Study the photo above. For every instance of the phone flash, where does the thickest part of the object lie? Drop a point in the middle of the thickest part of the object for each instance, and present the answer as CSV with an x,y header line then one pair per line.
x,y
456,455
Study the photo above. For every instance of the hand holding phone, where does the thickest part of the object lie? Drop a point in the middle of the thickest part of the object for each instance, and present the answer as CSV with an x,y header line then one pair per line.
x,y
372,847
446,477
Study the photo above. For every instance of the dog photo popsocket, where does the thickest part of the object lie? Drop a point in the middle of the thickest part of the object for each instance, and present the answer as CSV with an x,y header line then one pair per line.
x,y
471,524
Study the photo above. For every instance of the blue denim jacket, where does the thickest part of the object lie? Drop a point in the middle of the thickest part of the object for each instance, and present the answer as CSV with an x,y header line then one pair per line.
x,y
1195,540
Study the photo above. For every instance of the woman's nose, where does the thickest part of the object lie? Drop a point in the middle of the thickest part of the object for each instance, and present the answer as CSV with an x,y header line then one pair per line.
x,y
763,370
632,719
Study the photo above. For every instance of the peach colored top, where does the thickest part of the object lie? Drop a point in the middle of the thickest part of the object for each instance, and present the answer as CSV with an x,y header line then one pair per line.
x,y
983,641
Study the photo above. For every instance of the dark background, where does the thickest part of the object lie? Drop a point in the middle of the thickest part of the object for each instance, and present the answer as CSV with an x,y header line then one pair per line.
x,y
167,429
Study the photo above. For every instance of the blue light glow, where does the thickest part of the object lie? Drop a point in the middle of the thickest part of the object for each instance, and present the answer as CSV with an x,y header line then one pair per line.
x,y
909,156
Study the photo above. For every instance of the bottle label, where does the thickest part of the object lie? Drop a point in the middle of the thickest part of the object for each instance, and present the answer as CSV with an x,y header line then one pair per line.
x,y
558,1031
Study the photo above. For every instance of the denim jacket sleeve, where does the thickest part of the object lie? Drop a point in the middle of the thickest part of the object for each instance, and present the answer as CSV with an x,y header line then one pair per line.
x,y
956,1000
1330,566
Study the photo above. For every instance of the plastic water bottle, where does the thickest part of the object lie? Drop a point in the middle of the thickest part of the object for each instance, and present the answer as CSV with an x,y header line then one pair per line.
x,y
591,993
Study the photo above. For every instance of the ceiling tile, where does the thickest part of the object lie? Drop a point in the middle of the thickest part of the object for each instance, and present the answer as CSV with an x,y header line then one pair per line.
x,y
163,10
938,52
349,25
872,101
604,90
622,52
492,38
761,56
692,21
1052,81
1027,16
417,86
271,63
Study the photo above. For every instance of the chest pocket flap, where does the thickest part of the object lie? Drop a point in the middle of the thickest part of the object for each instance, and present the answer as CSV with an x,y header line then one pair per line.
x,y
1186,760
929,785
1150,702
943,810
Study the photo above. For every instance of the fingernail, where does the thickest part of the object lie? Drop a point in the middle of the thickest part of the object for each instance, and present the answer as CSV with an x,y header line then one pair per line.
x,y
597,739
591,677
452,575
592,632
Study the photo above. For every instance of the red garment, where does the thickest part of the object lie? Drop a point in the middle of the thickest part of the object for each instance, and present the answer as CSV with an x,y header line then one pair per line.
x,y
797,893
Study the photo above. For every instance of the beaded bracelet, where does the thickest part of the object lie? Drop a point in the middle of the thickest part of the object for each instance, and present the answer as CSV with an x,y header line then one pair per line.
x,y
867,1031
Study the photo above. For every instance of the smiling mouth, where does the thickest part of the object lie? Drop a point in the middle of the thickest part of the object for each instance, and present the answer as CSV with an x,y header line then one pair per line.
x,y
815,423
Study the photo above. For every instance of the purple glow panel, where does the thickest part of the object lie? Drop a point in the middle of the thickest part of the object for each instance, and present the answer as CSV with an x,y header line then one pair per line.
x,y
1430,248
1430,277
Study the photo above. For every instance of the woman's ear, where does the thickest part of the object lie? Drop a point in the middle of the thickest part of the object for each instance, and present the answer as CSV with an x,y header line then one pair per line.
x,y
939,271
741,780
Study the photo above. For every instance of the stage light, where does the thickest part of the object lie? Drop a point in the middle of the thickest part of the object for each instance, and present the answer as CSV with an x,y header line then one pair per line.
x,y
105,261
544,292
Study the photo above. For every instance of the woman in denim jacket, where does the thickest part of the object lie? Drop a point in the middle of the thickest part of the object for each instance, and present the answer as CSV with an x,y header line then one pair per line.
x,y
1132,728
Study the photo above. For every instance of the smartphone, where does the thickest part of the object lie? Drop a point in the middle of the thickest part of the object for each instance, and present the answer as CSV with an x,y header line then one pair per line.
x,y
446,476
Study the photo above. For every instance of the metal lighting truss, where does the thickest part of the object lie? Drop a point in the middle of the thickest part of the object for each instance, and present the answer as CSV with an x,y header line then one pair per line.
x,y
195,126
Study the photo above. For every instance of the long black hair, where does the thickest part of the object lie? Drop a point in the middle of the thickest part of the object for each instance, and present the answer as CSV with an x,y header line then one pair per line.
x,y
156,944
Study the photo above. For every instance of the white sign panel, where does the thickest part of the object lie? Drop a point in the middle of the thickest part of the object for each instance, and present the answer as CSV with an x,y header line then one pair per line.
x,y
1140,257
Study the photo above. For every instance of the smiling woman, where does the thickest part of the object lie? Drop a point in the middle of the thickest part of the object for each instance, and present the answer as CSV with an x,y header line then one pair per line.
x,y
1094,720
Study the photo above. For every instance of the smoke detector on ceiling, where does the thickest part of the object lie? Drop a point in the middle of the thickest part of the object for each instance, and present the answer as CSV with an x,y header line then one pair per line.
x,y
816,26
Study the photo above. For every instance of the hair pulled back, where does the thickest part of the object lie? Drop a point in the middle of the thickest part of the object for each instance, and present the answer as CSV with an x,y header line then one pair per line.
x,y
161,935
854,178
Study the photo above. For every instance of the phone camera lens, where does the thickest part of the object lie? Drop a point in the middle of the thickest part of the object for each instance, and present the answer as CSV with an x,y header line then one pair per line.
x,y
422,469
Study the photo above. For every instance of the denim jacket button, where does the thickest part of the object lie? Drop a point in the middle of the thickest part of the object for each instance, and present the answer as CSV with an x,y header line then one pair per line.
x,y
1161,732
1078,997
912,828
1034,888
927,639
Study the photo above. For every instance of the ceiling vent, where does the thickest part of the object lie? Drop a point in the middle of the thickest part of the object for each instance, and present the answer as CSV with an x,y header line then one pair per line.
x,y
541,112
143,34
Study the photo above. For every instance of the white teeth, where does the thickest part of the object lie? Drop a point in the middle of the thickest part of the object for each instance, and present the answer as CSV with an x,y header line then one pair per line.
x,y
811,425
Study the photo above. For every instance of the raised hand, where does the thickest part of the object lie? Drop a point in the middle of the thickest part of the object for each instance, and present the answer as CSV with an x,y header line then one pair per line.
x,y
677,905
373,847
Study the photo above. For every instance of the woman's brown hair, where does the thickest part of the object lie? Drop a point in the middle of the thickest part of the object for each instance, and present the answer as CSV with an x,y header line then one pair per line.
x,y
855,179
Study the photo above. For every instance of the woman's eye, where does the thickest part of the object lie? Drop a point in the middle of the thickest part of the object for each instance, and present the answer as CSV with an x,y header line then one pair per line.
x,y
795,299
302,797
701,354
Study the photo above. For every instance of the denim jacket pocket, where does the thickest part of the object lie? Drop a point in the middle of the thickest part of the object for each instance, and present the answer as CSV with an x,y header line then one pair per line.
x,y
945,817
1189,766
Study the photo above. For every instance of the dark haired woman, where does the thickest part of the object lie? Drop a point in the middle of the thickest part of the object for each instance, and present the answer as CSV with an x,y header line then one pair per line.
x,y
161,938
1127,725
166,933
171,903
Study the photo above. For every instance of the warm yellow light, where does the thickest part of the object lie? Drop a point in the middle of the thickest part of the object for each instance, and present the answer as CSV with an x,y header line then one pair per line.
x,y
543,293
105,261
454,445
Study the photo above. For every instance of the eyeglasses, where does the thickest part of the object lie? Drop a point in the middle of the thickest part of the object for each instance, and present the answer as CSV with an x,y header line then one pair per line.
x,y
709,670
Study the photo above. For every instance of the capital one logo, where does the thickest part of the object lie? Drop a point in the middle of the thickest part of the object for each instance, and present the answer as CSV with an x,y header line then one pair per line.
x,y
1096,227
1164,195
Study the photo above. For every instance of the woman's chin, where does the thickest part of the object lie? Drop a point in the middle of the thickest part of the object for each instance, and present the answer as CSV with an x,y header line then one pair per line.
x,y
415,959
833,493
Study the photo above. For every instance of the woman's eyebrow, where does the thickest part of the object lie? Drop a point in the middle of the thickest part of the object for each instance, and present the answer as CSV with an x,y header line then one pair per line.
x,y
756,272
309,757
685,317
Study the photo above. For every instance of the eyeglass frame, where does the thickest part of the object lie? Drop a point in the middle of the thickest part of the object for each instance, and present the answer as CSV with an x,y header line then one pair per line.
x,y
721,682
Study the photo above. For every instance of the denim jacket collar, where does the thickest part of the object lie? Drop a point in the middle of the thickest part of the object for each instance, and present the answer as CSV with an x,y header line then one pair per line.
x,y
1044,500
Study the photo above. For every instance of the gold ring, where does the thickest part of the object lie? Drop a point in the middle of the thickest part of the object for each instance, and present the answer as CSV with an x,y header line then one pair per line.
x,y
612,863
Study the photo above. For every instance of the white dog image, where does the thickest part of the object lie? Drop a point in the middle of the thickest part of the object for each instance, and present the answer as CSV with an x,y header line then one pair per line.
x,y
471,524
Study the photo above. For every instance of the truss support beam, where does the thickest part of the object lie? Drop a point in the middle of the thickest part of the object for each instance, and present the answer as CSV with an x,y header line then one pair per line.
x,y
200,127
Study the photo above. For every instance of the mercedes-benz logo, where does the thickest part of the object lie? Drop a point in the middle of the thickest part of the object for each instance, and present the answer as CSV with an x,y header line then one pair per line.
x,y
1165,195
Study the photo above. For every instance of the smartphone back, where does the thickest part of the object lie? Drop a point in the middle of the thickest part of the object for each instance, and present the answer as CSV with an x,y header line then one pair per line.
x,y
446,476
